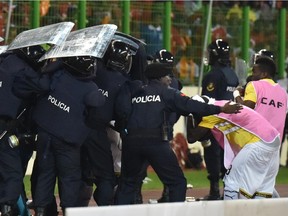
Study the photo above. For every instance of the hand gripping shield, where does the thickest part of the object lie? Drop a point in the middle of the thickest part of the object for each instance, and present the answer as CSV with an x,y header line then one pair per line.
x,y
92,41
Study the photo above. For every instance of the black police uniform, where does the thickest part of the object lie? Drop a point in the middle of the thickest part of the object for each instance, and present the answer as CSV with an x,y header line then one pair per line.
x,y
139,64
97,144
11,171
171,119
146,142
219,83
60,116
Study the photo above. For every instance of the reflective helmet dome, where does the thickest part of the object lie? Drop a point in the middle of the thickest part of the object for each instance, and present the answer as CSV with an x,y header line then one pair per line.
x,y
118,57
81,66
218,51
263,53
32,55
163,56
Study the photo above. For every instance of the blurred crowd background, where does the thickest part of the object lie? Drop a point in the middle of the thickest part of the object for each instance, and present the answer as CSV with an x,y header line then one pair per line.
x,y
188,24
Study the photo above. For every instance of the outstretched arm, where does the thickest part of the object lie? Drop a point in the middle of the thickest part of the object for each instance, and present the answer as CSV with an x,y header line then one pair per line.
x,y
238,96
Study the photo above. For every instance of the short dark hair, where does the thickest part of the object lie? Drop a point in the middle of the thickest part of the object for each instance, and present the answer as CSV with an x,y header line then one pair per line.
x,y
267,65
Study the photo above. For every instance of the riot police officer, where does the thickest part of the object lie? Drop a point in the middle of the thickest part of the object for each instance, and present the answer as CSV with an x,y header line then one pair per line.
x,y
166,57
60,116
142,108
112,73
218,83
13,109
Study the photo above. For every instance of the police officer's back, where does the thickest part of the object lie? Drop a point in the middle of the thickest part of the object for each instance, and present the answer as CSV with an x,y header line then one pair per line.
x,y
59,113
112,73
147,139
12,64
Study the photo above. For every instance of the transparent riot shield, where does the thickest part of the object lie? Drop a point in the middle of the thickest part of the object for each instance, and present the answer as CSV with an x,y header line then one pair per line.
x,y
50,34
241,70
90,41
3,49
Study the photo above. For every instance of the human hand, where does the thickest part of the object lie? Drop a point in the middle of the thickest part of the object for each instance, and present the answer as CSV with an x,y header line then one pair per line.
x,y
238,92
230,108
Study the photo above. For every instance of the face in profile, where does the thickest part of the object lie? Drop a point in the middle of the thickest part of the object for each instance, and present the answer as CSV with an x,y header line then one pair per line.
x,y
256,73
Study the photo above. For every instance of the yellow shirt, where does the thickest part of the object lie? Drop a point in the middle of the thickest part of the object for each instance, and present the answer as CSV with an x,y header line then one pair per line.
x,y
250,93
237,137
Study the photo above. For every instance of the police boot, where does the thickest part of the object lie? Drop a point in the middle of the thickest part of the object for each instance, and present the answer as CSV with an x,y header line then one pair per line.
x,y
40,211
138,194
8,210
214,193
165,195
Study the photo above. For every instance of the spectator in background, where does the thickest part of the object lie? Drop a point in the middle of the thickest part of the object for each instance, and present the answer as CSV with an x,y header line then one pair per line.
x,y
178,42
219,27
51,16
152,34
237,51
188,70
234,17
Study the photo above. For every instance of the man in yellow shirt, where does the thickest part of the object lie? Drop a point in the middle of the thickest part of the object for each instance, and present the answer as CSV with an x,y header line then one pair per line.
x,y
251,152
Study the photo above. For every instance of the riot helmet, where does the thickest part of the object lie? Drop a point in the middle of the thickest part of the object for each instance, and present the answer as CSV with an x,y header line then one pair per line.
x,y
163,56
157,70
263,53
81,66
32,54
118,57
218,51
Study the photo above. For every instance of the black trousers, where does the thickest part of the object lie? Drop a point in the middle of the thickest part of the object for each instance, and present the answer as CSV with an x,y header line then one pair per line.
x,y
11,173
135,153
56,159
97,148
213,156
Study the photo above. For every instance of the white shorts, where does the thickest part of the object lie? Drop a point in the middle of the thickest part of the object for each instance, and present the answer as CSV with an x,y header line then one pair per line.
x,y
253,171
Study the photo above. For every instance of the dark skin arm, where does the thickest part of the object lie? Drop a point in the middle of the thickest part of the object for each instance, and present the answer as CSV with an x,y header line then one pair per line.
x,y
195,134
247,103
258,73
